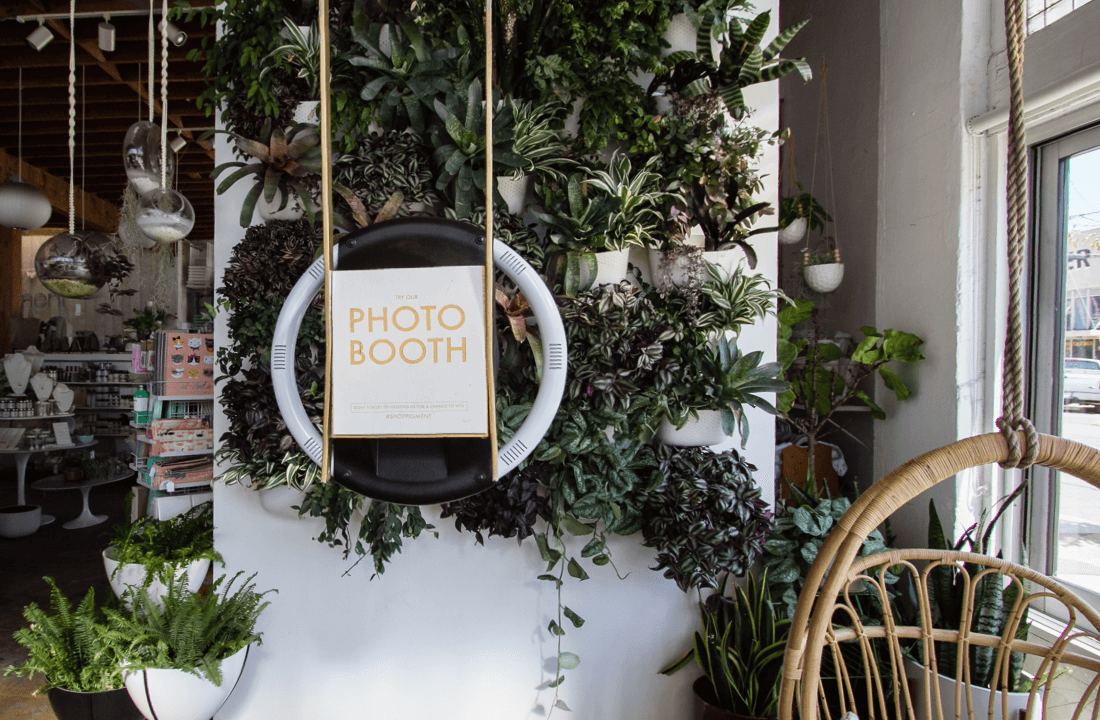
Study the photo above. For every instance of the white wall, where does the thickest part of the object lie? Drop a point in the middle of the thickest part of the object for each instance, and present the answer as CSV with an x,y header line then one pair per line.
x,y
453,630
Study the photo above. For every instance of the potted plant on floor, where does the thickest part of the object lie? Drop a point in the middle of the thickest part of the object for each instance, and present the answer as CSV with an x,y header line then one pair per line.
x,y
740,651
143,551
183,657
79,656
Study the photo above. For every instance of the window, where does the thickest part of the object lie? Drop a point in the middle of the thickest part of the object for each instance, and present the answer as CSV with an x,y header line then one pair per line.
x,y
1065,356
1041,13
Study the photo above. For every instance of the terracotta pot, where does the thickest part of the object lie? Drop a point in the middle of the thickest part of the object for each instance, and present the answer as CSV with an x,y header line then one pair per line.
x,y
705,704
793,465
104,705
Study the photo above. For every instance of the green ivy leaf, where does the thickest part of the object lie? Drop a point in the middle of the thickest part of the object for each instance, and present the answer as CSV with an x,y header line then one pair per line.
x,y
575,570
574,618
555,629
568,660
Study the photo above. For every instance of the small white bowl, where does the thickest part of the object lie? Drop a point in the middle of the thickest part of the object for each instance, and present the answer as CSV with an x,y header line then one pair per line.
x,y
18,521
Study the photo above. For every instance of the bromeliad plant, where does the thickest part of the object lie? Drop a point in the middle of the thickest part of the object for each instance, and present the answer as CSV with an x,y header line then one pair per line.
x,y
74,649
740,651
283,162
707,518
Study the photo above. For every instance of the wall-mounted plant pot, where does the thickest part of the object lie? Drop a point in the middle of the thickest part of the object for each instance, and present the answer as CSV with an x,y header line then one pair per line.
x,y
279,501
270,210
702,432
177,695
680,35
307,112
514,191
104,705
824,278
794,232
573,122
612,267
18,521
134,574
979,697
665,273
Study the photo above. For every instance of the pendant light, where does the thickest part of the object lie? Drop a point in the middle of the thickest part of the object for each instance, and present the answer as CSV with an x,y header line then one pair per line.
x,y
22,206
141,152
164,215
72,264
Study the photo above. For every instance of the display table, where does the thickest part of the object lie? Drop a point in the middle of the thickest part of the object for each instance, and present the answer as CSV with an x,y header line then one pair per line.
x,y
86,518
22,456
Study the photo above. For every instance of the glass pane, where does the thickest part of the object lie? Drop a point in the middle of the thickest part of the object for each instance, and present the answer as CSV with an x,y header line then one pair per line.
x,y
1077,557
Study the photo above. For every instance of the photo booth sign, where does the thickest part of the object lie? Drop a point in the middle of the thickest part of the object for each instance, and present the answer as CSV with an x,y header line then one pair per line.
x,y
410,355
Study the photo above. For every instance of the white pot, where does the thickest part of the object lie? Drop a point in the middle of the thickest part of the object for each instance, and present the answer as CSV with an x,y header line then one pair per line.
x,y
18,521
177,695
134,574
680,35
705,431
979,698
278,501
307,112
678,272
794,232
573,122
824,278
514,191
271,211
611,267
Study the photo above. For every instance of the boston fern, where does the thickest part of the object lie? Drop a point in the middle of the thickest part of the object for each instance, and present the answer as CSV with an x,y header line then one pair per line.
x,y
159,544
706,518
73,649
192,632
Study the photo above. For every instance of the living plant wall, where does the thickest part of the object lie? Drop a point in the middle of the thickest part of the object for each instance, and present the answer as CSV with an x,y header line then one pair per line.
x,y
626,176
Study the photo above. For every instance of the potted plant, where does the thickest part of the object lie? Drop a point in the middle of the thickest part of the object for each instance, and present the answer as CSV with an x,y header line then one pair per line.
x,y
190,645
384,163
706,518
300,57
577,230
145,322
283,162
740,651
537,141
797,214
825,376
823,269
711,386
79,656
142,552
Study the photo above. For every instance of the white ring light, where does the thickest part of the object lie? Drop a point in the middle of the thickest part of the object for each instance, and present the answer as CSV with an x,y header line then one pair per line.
x,y
546,402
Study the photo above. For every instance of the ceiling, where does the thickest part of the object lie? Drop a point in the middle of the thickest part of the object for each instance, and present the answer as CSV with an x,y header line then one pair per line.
x,y
109,99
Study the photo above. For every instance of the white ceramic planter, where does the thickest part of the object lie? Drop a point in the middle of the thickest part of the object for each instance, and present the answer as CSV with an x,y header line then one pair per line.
x,y
794,232
514,191
705,431
573,122
133,574
678,271
271,211
611,267
278,501
177,695
979,698
306,112
18,521
680,35
824,278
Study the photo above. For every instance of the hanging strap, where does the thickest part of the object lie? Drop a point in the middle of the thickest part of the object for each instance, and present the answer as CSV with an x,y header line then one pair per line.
x,y
72,112
1012,420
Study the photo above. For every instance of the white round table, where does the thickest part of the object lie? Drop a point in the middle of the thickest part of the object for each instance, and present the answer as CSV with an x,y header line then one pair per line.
x,y
22,456
86,518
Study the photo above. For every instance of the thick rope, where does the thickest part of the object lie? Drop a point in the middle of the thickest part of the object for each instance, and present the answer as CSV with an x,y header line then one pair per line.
x,y
163,94
1013,418
20,171
72,113
152,62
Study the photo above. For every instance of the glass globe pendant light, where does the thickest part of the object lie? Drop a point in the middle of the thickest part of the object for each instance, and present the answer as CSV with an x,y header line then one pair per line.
x,y
72,264
23,206
141,156
163,214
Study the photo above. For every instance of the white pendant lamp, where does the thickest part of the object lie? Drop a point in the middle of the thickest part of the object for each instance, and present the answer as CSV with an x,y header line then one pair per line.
x,y
22,206
164,215
72,264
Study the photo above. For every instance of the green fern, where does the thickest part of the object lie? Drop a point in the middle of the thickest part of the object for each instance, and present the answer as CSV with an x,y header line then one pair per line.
x,y
74,649
192,632
158,544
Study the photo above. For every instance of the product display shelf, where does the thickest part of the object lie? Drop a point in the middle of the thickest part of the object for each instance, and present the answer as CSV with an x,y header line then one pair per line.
x,y
168,408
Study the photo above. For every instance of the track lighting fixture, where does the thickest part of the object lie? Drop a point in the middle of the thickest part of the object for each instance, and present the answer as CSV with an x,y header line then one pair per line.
x,y
40,37
177,143
176,36
106,35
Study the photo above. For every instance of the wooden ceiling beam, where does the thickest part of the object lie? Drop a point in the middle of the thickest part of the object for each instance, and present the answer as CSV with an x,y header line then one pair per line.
x,y
98,213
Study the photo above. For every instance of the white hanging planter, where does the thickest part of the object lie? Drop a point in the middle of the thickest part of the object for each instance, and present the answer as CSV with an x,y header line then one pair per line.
x,y
177,695
307,111
279,501
134,574
979,697
824,278
514,191
794,232
270,210
705,431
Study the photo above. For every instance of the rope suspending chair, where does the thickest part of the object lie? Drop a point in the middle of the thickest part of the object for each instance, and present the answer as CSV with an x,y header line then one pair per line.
x,y
847,651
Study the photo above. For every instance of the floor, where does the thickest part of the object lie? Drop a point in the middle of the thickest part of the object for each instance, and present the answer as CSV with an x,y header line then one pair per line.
x,y
71,557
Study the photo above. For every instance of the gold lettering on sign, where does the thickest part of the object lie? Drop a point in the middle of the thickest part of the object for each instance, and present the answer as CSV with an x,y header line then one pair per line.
x,y
354,319
456,348
371,318
415,320
427,315
461,318
435,348
376,343
411,341
357,357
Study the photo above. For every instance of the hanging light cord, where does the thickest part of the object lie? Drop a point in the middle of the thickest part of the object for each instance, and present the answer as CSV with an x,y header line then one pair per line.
x,y
83,140
72,112
163,94
152,66
19,172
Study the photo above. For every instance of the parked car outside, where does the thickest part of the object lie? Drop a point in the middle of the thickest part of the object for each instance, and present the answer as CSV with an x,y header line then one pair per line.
x,y
1081,383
